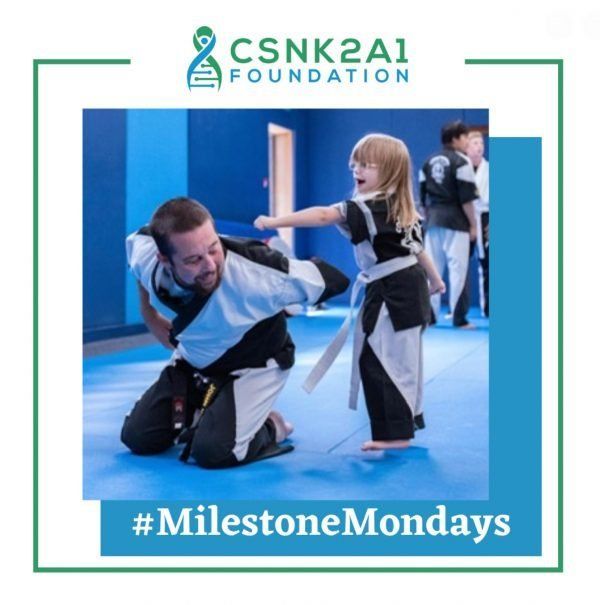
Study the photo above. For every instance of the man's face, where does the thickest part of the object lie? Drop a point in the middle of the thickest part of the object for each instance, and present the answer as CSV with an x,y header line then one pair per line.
x,y
461,143
197,258
475,150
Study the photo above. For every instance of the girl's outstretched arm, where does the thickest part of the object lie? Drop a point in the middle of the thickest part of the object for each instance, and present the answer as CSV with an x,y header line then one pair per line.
x,y
436,284
317,216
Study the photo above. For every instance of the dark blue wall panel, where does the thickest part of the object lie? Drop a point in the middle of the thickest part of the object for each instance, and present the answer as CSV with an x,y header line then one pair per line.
x,y
228,162
229,159
104,138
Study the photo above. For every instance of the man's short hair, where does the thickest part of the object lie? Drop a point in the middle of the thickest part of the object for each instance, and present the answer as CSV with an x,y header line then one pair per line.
x,y
179,215
453,130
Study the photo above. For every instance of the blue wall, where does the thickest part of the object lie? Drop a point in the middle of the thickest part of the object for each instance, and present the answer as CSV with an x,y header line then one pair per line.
x,y
104,168
157,170
229,159
136,159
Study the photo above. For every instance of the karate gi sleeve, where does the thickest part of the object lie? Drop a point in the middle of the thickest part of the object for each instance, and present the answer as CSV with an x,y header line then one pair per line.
x,y
312,282
482,177
292,281
414,238
141,257
342,208
355,223
465,181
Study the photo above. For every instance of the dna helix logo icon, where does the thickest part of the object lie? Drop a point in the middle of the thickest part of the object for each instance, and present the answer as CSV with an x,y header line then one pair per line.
x,y
204,71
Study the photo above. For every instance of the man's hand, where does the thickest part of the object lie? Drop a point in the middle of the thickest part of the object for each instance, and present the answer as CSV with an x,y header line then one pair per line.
x,y
160,326
264,222
437,286
469,210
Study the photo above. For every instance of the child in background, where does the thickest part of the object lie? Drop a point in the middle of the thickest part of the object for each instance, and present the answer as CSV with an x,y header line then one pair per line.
x,y
382,223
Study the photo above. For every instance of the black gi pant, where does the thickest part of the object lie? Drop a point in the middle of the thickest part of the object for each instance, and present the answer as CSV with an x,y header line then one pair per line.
x,y
484,261
152,426
459,316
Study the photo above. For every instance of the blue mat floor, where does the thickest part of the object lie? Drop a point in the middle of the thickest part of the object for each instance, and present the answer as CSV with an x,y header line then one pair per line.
x,y
448,460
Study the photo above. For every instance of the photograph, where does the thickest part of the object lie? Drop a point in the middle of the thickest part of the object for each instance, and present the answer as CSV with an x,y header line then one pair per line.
x,y
286,304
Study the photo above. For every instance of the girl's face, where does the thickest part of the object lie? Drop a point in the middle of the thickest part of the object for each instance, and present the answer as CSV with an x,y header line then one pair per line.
x,y
366,176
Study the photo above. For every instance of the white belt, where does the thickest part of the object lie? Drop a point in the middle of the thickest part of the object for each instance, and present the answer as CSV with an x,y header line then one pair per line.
x,y
333,350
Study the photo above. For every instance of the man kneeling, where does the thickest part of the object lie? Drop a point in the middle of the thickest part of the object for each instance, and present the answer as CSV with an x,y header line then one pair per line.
x,y
218,302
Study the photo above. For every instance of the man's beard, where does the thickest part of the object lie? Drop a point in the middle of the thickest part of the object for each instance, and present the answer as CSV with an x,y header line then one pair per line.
x,y
197,287
201,290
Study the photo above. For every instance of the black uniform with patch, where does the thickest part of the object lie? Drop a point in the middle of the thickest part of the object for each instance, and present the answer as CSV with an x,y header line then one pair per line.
x,y
444,189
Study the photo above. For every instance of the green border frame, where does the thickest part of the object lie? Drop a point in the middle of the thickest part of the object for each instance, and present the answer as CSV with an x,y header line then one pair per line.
x,y
36,568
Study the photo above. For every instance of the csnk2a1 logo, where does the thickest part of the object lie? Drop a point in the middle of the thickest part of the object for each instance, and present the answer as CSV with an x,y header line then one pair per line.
x,y
271,61
204,71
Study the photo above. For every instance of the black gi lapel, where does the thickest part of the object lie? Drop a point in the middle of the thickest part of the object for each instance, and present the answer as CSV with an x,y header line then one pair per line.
x,y
186,311
187,314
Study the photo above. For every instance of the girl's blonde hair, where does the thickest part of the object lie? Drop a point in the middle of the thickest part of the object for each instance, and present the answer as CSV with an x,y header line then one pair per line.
x,y
392,159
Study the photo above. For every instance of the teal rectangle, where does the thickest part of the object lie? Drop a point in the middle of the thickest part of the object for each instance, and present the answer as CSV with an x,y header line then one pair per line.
x,y
515,414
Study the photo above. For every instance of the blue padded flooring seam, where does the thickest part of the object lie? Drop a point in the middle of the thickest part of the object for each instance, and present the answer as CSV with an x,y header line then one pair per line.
x,y
358,430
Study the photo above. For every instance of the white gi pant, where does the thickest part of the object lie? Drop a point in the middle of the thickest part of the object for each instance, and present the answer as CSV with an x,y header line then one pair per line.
x,y
450,248
255,392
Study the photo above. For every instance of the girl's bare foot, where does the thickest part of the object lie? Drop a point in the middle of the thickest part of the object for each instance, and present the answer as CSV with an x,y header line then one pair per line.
x,y
396,444
283,428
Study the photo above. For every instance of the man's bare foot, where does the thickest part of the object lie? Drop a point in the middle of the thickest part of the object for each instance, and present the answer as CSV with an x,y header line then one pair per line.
x,y
468,326
283,428
395,444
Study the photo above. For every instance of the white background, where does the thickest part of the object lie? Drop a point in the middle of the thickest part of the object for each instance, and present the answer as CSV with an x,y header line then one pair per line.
x,y
156,37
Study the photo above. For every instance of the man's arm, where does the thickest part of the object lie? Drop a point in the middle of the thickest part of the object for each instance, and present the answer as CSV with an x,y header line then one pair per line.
x,y
469,210
467,193
311,281
158,324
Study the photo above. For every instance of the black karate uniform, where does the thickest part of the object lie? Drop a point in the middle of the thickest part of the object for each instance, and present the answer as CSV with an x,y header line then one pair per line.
x,y
233,352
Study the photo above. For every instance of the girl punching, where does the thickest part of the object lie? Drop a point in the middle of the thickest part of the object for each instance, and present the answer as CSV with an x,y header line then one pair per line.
x,y
383,225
